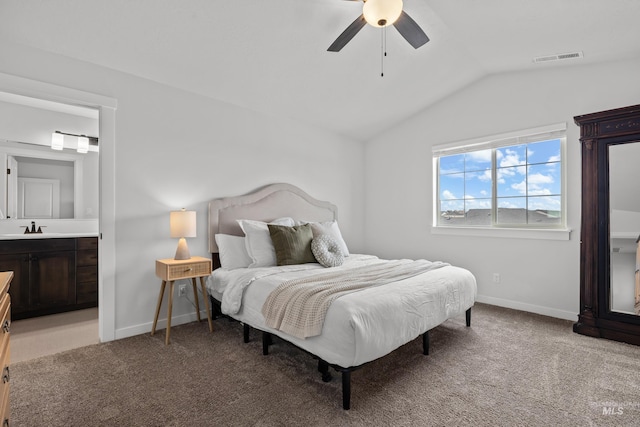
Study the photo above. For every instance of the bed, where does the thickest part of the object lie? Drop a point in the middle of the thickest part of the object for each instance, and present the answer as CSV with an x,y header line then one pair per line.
x,y
364,321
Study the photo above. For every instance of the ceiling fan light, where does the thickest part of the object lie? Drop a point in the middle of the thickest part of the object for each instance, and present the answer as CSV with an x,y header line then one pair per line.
x,y
381,13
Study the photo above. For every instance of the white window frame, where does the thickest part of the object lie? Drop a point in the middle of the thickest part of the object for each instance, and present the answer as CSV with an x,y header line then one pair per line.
x,y
559,232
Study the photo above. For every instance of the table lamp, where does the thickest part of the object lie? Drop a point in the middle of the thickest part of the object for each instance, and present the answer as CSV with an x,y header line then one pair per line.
x,y
183,224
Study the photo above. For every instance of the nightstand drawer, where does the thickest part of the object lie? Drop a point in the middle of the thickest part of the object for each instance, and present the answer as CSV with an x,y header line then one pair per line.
x,y
183,269
188,270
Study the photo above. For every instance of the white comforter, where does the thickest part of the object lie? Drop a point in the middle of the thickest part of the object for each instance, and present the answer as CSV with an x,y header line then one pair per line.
x,y
361,326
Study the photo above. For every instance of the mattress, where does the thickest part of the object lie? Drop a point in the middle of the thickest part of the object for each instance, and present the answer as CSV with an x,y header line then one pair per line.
x,y
361,326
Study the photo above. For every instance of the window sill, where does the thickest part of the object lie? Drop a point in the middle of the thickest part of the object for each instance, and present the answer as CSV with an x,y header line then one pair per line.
x,y
513,233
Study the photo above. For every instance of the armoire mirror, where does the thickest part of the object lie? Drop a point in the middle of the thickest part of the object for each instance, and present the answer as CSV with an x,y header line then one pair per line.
x,y
624,226
609,277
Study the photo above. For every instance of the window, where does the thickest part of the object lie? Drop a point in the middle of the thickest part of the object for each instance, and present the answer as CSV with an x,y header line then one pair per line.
x,y
511,180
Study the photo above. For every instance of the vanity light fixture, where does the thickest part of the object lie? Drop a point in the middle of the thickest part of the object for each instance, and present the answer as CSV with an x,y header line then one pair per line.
x,y
182,224
57,141
83,144
84,141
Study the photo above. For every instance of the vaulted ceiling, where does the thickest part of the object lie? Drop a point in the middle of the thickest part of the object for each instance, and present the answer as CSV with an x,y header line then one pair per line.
x,y
271,55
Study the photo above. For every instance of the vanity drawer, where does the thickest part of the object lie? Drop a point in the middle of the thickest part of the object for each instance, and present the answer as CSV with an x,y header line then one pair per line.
x,y
87,273
87,243
87,257
86,292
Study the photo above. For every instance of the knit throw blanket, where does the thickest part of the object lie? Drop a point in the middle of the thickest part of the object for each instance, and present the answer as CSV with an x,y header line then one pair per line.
x,y
298,307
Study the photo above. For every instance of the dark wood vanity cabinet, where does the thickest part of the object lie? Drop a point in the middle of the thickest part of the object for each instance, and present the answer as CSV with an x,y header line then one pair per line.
x,y
87,270
46,273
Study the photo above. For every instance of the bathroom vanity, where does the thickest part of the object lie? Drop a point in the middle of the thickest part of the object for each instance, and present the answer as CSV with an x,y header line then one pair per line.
x,y
51,274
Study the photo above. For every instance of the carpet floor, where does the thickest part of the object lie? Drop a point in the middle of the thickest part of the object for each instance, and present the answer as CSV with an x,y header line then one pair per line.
x,y
509,368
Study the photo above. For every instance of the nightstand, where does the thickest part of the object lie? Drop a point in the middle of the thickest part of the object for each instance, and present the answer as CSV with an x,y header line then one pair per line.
x,y
170,270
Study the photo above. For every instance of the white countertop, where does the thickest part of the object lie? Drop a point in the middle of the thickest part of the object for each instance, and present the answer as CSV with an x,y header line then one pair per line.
x,y
43,235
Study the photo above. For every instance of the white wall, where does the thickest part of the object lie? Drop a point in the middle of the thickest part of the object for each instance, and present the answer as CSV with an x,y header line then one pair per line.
x,y
536,275
177,149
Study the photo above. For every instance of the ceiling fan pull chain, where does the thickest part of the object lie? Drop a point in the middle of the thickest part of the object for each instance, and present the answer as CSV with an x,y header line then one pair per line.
x,y
381,53
385,41
383,49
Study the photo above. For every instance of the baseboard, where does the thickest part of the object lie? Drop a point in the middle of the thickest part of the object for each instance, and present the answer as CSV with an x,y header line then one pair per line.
x,y
516,305
145,328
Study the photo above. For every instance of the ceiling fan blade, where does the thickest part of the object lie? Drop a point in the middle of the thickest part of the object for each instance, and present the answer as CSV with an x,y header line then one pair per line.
x,y
411,31
348,34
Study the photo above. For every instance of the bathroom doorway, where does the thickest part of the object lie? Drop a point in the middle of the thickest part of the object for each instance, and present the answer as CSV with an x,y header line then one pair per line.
x,y
72,210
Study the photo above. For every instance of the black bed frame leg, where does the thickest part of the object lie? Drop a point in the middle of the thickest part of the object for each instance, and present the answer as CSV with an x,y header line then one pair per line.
x,y
245,333
425,343
215,308
468,315
346,389
266,340
323,368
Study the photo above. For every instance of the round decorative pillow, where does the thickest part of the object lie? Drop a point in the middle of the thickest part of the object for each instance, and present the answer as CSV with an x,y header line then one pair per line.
x,y
327,251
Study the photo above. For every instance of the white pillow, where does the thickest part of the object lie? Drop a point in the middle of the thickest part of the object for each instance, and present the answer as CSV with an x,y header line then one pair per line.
x,y
258,241
331,228
232,251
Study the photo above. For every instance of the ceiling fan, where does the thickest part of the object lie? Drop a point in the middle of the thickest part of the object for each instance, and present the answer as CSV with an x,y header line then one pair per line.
x,y
382,13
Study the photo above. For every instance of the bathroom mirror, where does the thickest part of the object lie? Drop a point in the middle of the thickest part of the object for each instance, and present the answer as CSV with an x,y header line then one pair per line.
x,y
43,182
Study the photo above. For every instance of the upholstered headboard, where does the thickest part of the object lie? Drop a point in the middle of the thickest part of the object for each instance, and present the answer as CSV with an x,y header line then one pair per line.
x,y
265,204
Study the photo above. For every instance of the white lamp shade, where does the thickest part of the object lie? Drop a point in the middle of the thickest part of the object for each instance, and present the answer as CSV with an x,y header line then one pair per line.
x,y
57,141
83,144
381,13
183,223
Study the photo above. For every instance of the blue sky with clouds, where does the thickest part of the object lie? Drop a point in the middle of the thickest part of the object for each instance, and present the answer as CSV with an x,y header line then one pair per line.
x,y
528,176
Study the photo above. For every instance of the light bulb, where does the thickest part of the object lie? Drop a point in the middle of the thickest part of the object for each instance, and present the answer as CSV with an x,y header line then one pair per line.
x,y
57,141
83,144
381,13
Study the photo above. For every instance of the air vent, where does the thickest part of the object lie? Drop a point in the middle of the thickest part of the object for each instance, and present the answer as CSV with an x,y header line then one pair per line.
x,y
558,57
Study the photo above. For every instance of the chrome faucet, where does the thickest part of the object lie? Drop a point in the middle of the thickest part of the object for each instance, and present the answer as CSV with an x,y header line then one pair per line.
x,y
33,229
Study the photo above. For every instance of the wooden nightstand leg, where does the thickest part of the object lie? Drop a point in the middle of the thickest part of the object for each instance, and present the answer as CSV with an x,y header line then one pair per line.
x,y
166,340
206,303
195,297
155,320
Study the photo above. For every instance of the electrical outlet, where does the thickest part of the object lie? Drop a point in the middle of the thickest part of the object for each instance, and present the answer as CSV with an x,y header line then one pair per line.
x,y
496,277
182,290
